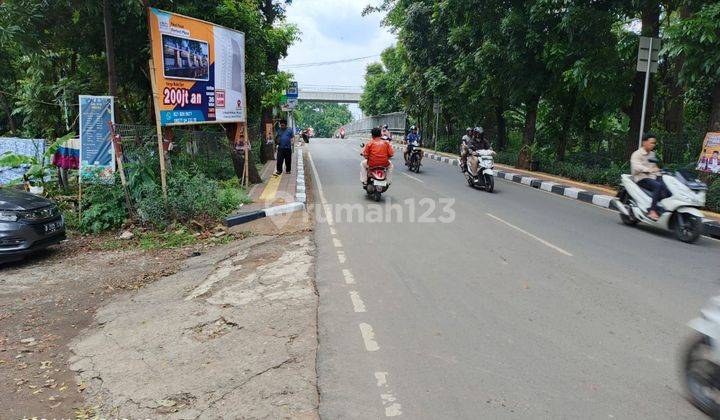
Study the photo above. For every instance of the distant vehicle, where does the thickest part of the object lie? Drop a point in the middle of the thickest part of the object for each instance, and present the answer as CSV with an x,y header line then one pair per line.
x,y
414,157
28,223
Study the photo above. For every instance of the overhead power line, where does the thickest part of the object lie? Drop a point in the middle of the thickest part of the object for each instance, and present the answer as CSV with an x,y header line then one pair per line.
x,y
326,63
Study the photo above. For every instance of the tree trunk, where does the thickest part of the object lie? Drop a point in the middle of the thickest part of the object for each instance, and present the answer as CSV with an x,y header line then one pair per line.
x,y
715,110
266,151
238,157
110,52
651,28
8,113
528,133
561,146
501,125
676,107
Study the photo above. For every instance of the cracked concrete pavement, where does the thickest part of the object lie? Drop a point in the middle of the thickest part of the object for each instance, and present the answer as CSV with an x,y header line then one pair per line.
x,y
232,335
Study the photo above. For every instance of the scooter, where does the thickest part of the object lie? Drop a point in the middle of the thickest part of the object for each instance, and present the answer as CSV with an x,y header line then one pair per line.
x,y
679,212
414,158
377,182
479,172
701,360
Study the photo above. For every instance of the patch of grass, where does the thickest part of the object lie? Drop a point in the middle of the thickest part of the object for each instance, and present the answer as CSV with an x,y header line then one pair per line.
x,y
166,240
114,245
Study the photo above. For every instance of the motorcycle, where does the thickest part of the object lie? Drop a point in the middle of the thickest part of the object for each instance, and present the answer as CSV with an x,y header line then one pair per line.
x,y
376,183
679,212
414,157
701,360
479,172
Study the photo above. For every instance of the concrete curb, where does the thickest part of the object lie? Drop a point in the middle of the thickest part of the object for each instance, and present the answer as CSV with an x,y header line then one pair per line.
x,y
711,228
297,205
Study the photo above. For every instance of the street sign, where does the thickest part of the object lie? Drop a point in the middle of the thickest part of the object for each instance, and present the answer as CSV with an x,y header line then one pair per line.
x,y
436,106
648,53
644,53
292,90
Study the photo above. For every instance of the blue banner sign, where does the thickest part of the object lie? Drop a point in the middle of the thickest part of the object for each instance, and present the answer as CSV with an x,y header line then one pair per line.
x,y
97,157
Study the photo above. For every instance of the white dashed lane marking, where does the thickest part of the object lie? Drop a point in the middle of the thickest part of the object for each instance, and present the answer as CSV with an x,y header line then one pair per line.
x,y
389,400
368,336
349,278
337,243
358,304
341,257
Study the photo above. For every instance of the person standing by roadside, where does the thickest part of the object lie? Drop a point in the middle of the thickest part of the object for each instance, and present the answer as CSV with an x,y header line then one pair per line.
x,y
284,140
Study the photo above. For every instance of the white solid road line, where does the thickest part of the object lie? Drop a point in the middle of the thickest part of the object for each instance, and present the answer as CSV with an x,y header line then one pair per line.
x,y
368,336
349,278
358,304
326,208
542,241
411,177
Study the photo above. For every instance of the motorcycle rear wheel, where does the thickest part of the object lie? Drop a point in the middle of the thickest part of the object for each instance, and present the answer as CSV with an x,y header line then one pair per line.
x,y
701,376
376,196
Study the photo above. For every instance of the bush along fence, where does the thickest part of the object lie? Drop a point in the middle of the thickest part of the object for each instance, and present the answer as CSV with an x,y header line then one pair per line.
x,y
202,184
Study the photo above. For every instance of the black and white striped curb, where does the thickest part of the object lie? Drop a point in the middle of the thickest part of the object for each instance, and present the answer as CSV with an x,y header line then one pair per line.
x,y
711,228
298,205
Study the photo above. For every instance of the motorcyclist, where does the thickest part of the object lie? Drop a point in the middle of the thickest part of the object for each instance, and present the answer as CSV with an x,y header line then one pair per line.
x,y
646,173
385,133
412,138
476,142
377,153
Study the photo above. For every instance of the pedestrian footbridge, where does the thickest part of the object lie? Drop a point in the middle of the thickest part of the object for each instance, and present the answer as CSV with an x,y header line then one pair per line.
x,y
333,95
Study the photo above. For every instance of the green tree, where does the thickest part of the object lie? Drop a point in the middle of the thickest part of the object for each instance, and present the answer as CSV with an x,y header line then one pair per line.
x,y
324,118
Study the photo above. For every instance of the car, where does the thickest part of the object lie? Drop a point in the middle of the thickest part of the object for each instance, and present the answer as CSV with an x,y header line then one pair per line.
x,y
28,223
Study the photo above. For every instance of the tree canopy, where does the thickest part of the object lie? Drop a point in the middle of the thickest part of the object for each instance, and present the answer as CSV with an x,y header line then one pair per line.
x,y
53,50
554,78
324,118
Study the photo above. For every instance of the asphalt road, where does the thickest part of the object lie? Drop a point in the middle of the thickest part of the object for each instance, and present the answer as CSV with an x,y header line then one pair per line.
x,y
516,304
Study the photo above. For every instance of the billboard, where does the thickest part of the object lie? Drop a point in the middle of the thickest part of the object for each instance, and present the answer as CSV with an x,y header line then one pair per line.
x,y
199,70
97,159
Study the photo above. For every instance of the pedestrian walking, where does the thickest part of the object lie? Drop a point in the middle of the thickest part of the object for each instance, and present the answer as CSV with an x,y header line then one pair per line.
x,y
284,140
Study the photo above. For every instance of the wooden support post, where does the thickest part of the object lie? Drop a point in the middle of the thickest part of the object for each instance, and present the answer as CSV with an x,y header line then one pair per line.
x,y
161,150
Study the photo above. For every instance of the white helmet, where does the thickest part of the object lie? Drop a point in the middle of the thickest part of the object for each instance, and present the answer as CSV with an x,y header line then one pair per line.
x,y
478,130
469,129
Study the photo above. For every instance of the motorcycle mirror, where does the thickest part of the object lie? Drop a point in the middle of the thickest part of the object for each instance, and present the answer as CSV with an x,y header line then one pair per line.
x,y
362,144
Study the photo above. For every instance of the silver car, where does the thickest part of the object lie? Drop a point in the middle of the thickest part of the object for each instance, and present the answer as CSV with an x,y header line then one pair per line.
x,y
28,223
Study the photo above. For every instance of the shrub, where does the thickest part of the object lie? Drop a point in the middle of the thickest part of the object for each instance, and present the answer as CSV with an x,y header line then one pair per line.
x,y
103,208
712,200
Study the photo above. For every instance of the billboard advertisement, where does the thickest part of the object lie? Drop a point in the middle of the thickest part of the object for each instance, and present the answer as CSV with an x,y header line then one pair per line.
x,y
199,70
709,160
97,159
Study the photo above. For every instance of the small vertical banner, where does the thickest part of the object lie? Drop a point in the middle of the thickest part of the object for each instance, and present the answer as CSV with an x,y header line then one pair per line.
x,y
709,160
269,132
97,158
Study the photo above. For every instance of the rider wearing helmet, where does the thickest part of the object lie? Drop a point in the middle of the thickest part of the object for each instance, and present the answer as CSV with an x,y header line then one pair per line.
x,y
413,139
476,142
385,133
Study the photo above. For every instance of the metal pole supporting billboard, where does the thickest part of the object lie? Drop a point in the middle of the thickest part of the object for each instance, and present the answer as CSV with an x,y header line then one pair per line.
x,y
645,95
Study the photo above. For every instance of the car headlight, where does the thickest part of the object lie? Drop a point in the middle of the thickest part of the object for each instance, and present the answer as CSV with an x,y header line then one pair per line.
x,y
8,216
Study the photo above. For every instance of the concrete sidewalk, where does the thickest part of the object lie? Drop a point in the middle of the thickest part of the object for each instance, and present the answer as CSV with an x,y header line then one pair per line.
x,y
276,194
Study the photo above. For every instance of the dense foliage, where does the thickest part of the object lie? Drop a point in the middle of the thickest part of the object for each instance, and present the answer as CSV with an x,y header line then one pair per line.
x,y
554,81
559,74
324,118
53,50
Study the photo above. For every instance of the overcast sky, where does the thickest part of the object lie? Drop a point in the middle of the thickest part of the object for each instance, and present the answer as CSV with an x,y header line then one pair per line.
x,y
334,30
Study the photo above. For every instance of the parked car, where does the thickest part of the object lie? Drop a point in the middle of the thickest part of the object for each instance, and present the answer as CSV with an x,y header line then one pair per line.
x,y
28,223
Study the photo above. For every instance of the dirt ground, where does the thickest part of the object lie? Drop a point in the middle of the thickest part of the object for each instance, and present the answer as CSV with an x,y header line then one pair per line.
x,y
51,299
45,301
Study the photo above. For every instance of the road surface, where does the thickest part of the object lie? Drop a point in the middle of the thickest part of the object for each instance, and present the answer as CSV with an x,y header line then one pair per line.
x,y
516,304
